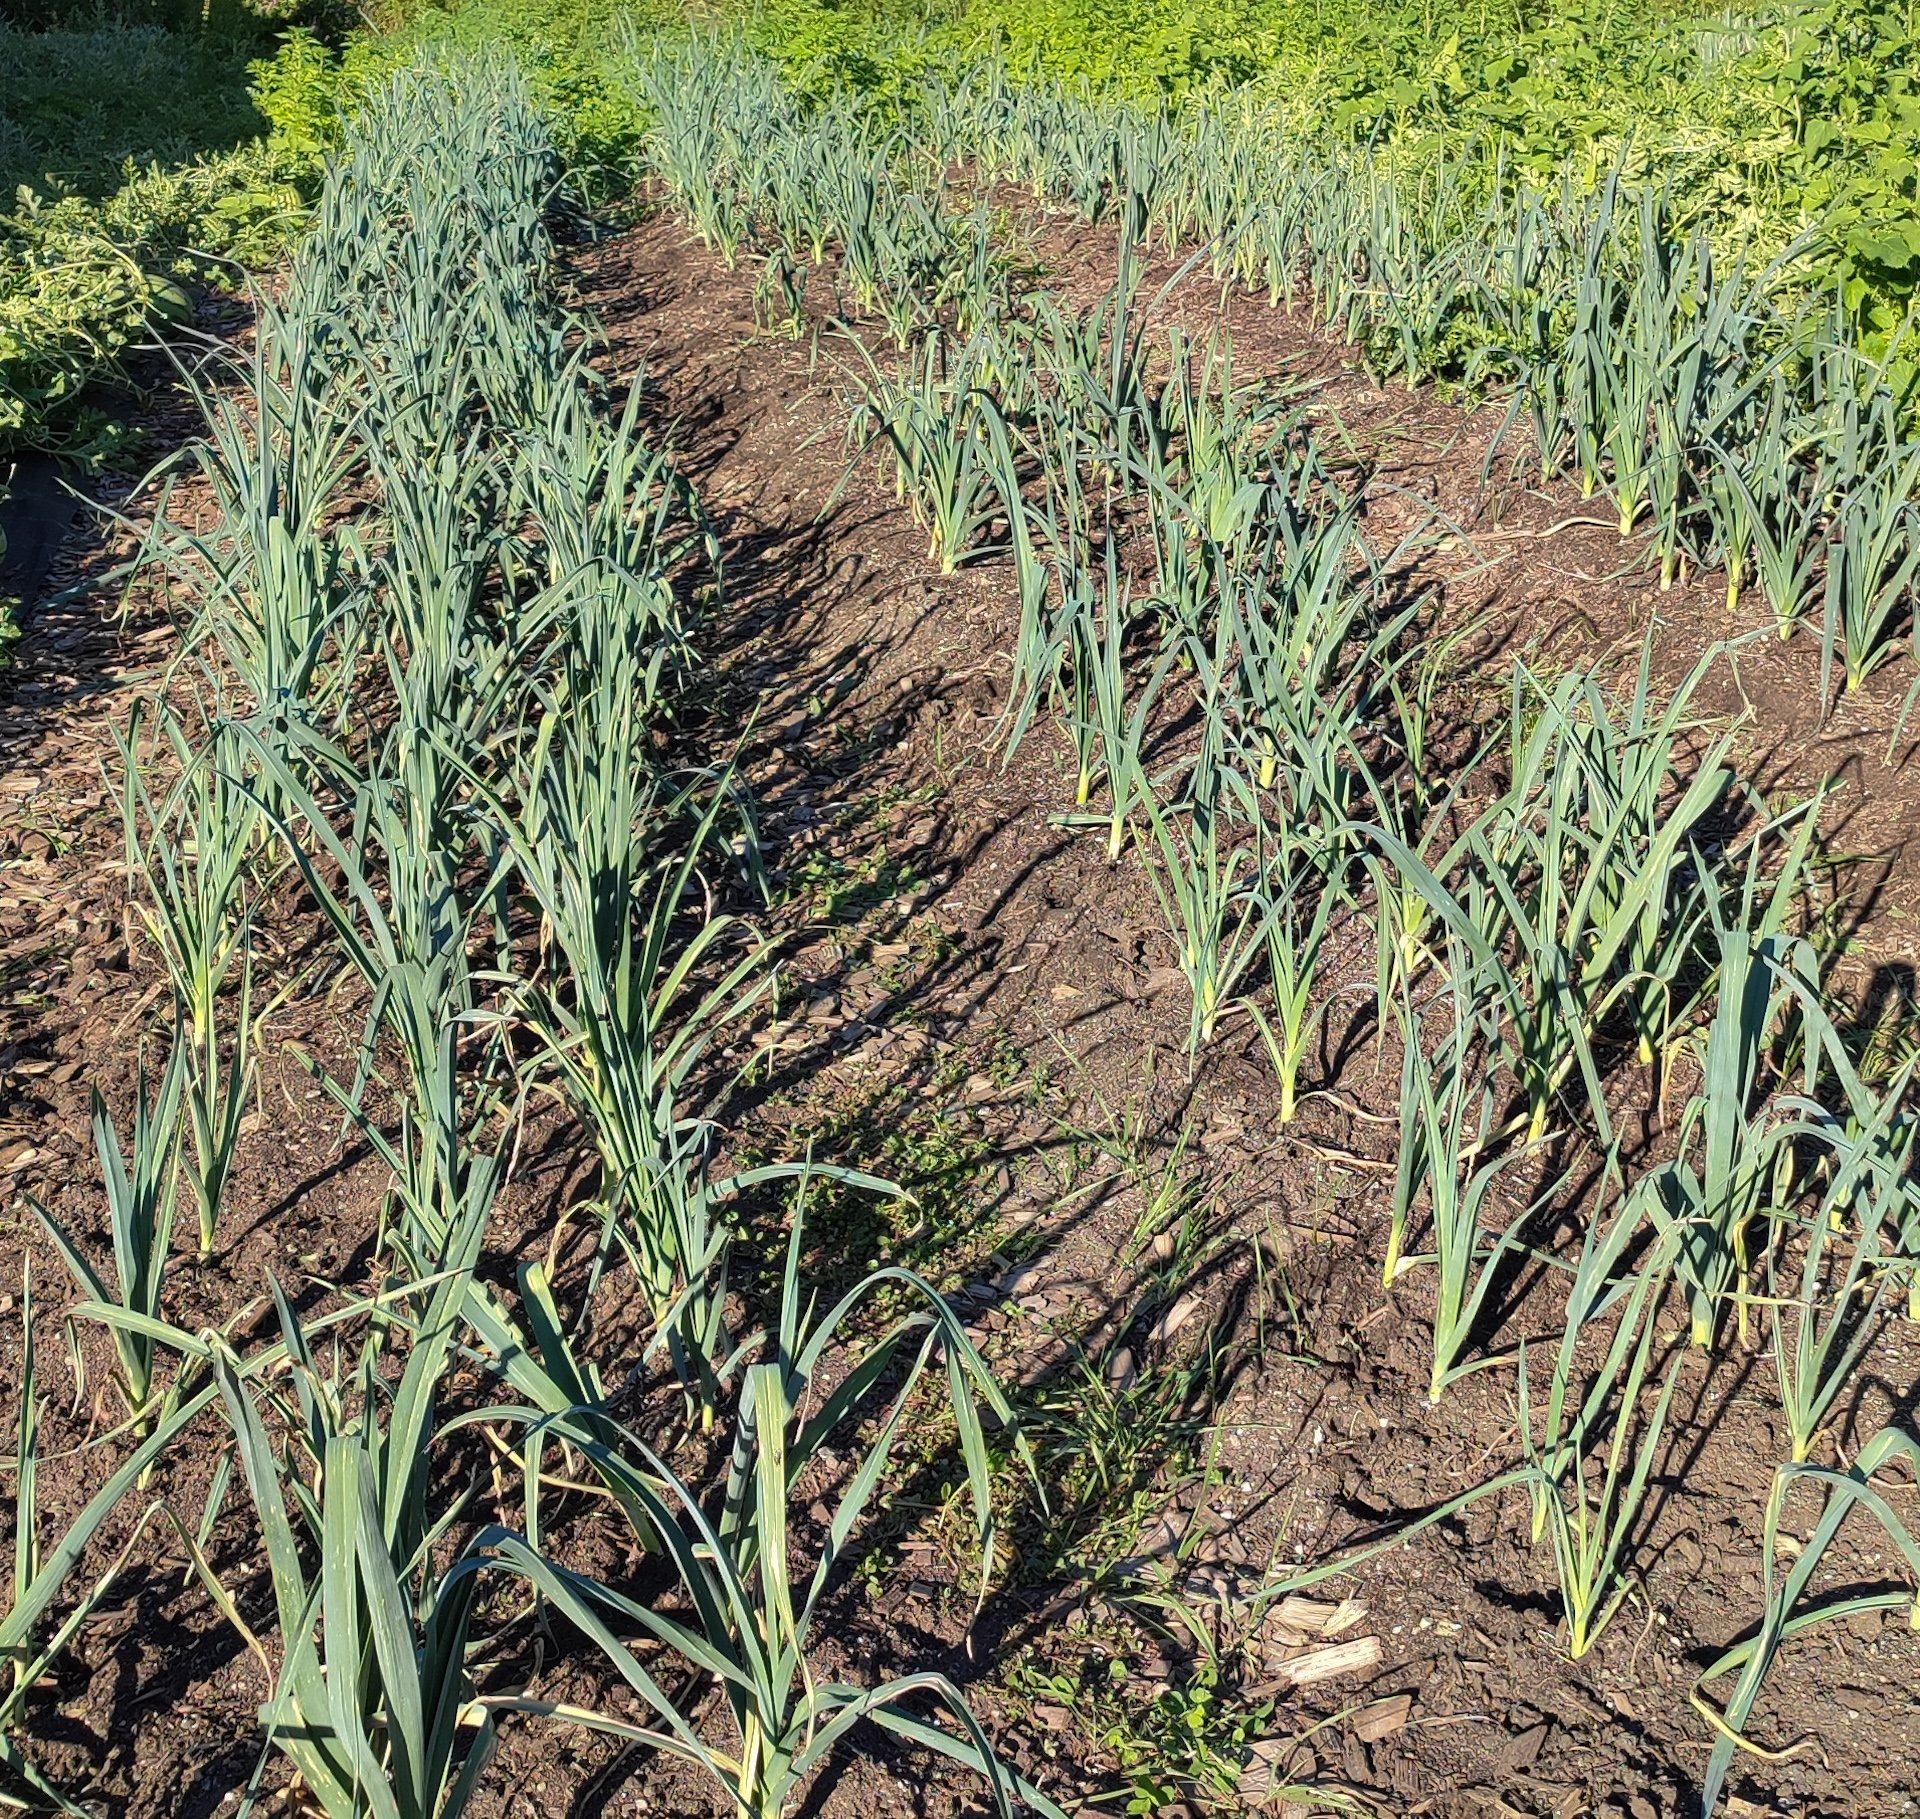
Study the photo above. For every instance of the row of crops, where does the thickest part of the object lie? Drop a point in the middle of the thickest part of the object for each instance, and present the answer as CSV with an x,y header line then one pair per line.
x,y
444,594
1726,409
447,602
1585,916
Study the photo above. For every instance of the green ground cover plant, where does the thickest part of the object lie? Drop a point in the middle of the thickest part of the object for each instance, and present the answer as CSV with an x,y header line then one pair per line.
x,y
107,235
1771,129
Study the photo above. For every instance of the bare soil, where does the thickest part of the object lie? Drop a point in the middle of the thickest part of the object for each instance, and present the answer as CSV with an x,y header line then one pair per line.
x,y
975,1001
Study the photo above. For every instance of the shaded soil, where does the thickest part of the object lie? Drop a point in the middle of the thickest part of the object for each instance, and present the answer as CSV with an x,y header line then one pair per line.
x,y
976,1003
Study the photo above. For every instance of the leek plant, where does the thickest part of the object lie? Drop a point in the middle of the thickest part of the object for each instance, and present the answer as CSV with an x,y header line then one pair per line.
x,y
277,598
635,1002
1205,880
1311,655
415,339
1579,892
29,1643
400,922
616,859
1313,660
1096,369
446,179
1420,258
690,143
1449,1149
1114,712
1591,1509
1849,1239
1296,896
1527,295
1041,642
1823,1324
930,419
1722,1179
1873,540
1785,1615
1762,506
750,1603
190,848
1683,385
1708,365
1605,779
372,1702
1233,445
617,525
141,1179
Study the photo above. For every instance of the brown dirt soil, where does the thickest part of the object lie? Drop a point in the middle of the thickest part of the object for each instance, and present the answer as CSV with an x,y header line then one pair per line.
x,y
974,1001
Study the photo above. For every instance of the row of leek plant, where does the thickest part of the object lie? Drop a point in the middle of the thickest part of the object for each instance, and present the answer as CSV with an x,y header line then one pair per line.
x,y
1720,405
1615,898
1184,551
446,602
1595,891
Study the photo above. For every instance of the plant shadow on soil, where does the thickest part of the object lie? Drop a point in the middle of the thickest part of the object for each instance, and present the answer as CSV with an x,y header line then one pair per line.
x,y
976,1005
1043,874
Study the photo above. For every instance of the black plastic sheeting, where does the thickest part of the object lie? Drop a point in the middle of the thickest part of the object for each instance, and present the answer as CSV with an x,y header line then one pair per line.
x,y
37,509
